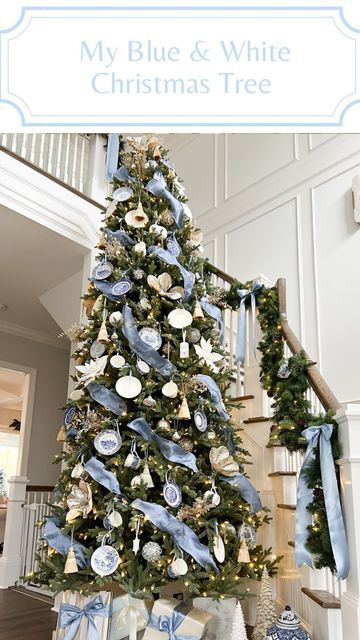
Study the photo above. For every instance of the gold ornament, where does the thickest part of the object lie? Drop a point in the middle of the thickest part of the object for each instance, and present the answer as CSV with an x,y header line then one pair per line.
x,y
222,461
79,501
184,413
198,509
62,435
163,424
243,553
186,443
103,335
198,312
71,564
166,218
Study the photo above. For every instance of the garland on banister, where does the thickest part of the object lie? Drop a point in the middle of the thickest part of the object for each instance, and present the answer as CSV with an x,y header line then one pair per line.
x,y
292,411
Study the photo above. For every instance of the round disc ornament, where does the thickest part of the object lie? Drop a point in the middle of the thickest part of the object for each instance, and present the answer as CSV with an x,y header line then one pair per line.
x,y
151,336
200,420
121,287
180,318
97,349
102,270
173,246
108,442
170,389
122,194
105,560
115,519
69,415
172,494
76,394
117,361
128,387
143,366
179,567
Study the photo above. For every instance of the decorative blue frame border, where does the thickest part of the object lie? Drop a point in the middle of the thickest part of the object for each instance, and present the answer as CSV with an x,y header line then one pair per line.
x,y
226,123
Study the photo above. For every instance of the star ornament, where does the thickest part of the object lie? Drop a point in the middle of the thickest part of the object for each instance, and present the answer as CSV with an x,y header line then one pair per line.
x,y
207,355
90,370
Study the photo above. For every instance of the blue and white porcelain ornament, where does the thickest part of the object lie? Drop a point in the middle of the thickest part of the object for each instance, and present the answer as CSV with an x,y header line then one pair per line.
x,y
200,420
172,493
121,287
132,460
97,349
122,194
284,371
108,441
287,627
102,270
248,533
173,246
105,560
151,336
69,415
113,520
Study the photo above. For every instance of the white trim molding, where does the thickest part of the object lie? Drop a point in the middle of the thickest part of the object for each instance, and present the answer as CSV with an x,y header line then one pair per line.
x,y
31,334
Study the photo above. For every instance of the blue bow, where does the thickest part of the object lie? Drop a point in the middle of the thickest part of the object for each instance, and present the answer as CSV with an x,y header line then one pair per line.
x,y
98,472
61,542
168,257
157,189
337,533
215,394
245,489
123,175
70,616
183,535
169,625
112,155
107,398
214,312
241,327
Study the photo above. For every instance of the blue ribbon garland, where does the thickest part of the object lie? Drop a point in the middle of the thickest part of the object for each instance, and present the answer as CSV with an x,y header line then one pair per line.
x,y
245,489
121,236
107,398
169,625
143,350
98,472
157,189
112,155
61,542
241,327
214,312
123,175
105,288
322,435
169,449
70,618
168,258
183,535
215,394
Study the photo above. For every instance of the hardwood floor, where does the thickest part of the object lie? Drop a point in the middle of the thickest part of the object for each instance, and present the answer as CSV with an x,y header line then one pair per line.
x,y
25,618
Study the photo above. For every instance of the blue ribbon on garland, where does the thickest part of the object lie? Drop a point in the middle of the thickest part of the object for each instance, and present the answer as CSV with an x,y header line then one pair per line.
x,y
107,479
214,312
241,327
61,542
169,449
107,398
70,618
169,625
143,350
168,257
112,155
123,175
121,236
183,535
105,288
157,189
215,394
245,489
321,435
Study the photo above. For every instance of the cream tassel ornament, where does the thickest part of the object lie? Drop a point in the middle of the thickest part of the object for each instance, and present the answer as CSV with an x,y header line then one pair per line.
x,y
243,553
198,312
103,334
71,564
184,413
62,435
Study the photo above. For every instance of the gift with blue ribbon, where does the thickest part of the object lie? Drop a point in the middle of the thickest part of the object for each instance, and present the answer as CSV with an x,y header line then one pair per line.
x,y
244,295
320,437
94,613
171,620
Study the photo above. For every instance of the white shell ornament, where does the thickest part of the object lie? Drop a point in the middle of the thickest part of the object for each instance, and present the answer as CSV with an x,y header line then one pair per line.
x,y
219,548
105,560
222,461
117,361
200,420
151,336
122,194
107,442
128,387
170,389
180,318
78,470
137,218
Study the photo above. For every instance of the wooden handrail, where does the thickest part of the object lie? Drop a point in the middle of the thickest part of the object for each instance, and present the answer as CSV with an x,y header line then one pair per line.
x,y
38,488
316,381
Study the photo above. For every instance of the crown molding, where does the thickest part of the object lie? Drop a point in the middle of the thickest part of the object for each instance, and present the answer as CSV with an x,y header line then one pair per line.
x,y
32,334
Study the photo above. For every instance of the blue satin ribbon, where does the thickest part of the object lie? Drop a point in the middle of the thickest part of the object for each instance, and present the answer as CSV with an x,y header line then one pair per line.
x,y
322,435
123,175
169,625
183,535
241,327
143,350
121,236
105,288
156,188
214,312
107,479
61,542
168,257
169,449
112,155
107,398
70,618
215,394
245,489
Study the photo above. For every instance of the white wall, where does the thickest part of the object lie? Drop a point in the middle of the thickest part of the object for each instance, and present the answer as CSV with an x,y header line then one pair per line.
x,y
52,367
280,205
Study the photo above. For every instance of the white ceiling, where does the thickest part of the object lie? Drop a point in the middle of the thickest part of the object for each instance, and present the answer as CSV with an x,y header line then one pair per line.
x,y
33,259
11,389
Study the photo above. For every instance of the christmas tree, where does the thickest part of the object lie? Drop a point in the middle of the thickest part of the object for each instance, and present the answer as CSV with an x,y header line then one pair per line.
x,y
152,487
238,629
265,609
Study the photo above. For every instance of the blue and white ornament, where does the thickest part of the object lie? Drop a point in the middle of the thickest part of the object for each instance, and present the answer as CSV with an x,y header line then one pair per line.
x,y
172,493
105,560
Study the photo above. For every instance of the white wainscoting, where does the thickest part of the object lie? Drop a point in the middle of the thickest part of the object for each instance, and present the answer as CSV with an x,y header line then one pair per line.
x,y
280,205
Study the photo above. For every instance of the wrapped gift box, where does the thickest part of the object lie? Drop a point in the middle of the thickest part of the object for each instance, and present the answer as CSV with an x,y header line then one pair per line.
x,y
169,618
129,616
222,613
77,612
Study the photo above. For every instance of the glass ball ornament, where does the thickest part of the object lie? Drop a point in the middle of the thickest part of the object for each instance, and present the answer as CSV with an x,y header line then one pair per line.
x,y
247,532
193,335
151,551
186,443
229,528
138,274
163,424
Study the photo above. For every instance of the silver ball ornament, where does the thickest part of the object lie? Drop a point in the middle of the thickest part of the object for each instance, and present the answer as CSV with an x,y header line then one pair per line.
x,y
151,551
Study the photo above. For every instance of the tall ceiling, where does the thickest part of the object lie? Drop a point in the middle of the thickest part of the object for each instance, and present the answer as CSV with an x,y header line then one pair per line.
x,y
11,389
33,259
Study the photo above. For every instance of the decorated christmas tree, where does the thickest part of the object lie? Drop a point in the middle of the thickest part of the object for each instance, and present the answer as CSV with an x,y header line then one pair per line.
x,y
265,608
152,487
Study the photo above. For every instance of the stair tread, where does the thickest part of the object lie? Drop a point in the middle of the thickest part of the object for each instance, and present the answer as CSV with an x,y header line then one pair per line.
x,y
277,474
291,507
240,398
291,543
257,419
324,598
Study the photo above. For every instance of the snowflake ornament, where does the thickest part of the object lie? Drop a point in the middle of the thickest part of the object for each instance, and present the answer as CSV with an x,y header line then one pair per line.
x,y
205,353
90,370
